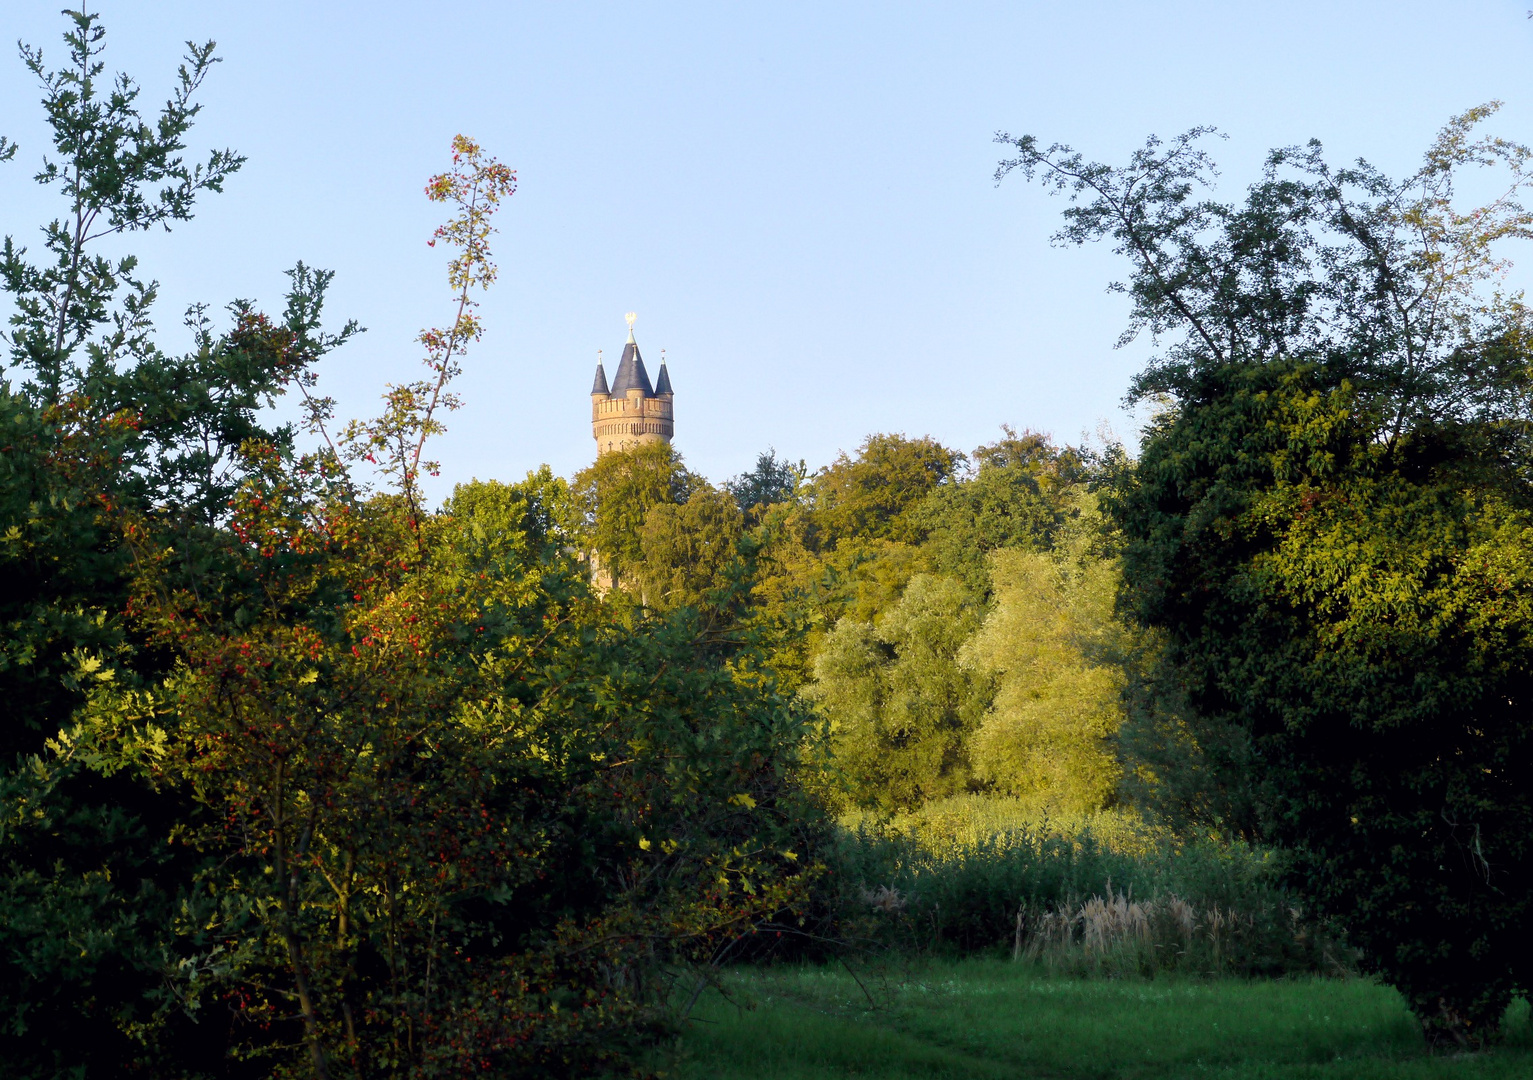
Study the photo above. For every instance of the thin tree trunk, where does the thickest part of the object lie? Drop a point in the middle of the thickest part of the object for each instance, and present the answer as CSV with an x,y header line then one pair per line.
x,y
288,899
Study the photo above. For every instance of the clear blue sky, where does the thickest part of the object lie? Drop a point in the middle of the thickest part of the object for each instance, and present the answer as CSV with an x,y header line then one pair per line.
x,y
796,198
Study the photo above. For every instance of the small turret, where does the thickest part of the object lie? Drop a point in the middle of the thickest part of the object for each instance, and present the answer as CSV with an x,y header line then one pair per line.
x,y
599,387
663,380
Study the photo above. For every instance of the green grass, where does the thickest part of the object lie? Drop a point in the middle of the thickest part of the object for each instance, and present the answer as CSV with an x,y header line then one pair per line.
x,y
991,1019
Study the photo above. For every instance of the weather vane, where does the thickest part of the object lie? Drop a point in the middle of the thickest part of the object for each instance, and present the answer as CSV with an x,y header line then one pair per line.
x,y
630,317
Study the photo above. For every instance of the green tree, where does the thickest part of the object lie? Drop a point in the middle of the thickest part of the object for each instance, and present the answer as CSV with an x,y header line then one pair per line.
x,y
847,546
690,550
459,814
771,481
1056,652
1330,525
425,805
100,422
807,577
871,496
899,705
117,174
617,492
96,412
1018,497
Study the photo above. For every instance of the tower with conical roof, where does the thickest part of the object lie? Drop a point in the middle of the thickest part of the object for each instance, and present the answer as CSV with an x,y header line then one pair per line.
x,y
631,412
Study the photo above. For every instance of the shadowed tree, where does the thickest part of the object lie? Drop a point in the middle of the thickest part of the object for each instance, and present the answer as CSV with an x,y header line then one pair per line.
x,y
1330,525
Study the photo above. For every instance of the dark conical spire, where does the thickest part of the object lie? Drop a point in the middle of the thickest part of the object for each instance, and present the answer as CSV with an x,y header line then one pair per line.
x,y
663,381
600,385
630,372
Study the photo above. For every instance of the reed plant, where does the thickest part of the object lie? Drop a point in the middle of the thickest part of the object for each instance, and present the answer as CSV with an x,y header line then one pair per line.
x,y
1116,934
1106,895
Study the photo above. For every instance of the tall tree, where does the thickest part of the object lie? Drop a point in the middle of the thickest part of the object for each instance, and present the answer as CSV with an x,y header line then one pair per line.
x,y
394,442
690,550
1331,521
1019,496
101,422
771,481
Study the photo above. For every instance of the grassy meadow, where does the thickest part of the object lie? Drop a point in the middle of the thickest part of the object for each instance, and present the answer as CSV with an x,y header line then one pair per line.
x,y
1019,944
979,1019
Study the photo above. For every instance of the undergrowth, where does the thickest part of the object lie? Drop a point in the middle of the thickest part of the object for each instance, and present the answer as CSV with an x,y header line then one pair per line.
x,y
1105,894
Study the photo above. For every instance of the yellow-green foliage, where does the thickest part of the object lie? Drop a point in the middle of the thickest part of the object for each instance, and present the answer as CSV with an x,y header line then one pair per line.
x,y
940,695
873,495
1054,647
965,822
900,706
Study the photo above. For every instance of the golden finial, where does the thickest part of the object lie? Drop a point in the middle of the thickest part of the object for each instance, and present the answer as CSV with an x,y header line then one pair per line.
x,y
630,317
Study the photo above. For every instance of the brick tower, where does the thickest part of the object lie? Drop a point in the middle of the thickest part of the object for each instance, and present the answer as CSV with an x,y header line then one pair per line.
x,y
632,412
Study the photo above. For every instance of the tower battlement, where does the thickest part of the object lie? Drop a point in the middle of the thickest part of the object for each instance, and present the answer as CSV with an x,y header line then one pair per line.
x,y
631,412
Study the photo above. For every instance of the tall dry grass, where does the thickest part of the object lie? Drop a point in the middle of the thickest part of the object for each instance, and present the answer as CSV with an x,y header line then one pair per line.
x,y
1118,935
